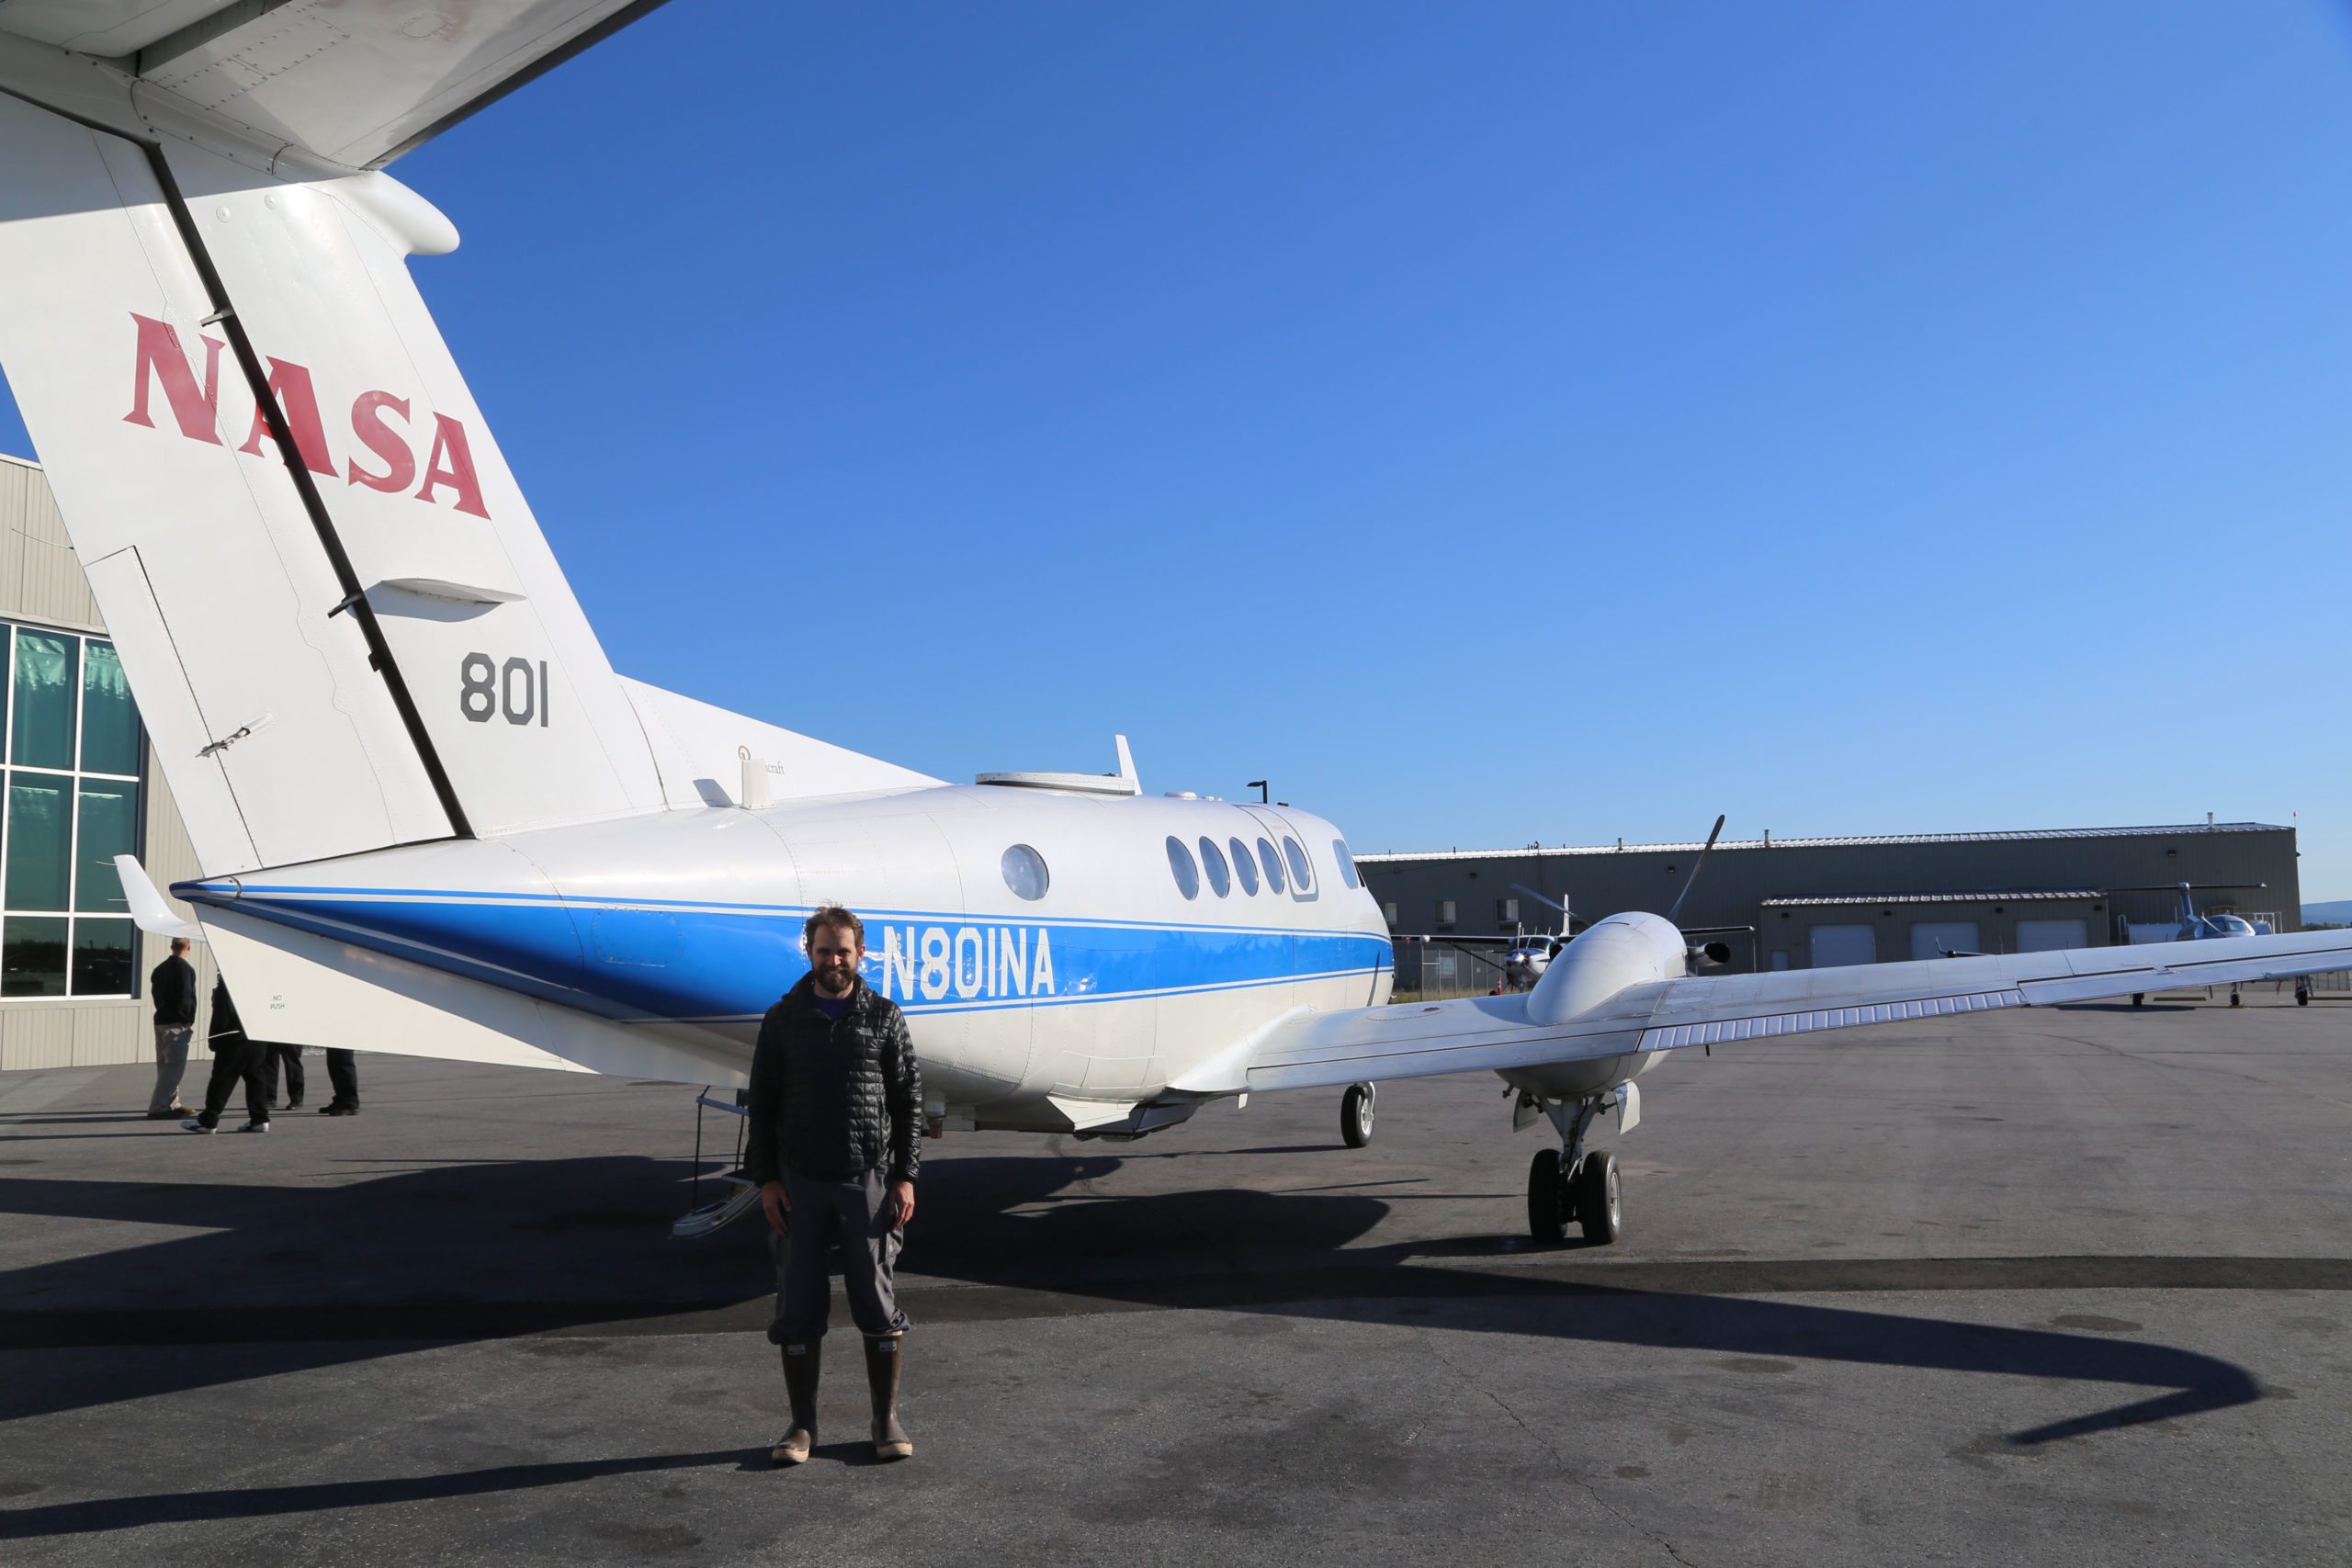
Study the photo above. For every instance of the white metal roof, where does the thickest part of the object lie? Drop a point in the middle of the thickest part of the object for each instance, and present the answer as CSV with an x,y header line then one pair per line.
x,y
1522,851
1969,896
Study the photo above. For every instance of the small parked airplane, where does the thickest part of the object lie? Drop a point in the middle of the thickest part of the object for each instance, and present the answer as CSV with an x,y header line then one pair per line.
x,y
432,820
2194,926
2209,926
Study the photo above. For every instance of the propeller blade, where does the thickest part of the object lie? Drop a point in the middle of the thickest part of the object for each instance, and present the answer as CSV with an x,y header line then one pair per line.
x,y
1695,869
1522,887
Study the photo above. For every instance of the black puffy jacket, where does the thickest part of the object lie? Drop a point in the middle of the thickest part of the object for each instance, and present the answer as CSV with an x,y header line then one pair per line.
x,y
831,1098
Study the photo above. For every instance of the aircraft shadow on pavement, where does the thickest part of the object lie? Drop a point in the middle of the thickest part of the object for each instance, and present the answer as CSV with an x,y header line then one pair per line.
x,y
445,1254
268,1502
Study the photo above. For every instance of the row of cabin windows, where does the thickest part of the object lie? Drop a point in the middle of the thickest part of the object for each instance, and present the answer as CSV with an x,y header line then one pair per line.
x,y
1243,867
1025,874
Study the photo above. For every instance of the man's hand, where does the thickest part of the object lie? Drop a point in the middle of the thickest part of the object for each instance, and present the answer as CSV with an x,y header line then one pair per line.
x,y
903,1205
778,1207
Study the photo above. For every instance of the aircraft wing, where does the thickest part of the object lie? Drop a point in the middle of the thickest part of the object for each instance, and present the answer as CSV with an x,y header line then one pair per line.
x,y
1489,1033
355,81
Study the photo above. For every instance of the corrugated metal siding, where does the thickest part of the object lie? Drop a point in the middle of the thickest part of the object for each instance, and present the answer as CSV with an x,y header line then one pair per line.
x,y
1739,878
1870,839
40,580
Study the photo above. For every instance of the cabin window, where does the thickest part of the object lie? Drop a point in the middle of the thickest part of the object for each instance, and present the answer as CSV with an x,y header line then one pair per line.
x,y
1273,864
1180,861
1024,872
1347,863
1301,876
1212,862
1243,866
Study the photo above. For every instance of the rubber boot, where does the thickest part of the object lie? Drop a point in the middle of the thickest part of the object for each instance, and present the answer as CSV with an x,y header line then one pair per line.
x,y
890,1440
800,1368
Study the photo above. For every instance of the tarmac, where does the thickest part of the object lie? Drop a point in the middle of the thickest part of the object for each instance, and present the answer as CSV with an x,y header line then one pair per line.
x,y
2042,1285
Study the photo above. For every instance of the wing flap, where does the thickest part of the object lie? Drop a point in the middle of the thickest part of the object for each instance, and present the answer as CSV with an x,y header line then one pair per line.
x,y
1675,1035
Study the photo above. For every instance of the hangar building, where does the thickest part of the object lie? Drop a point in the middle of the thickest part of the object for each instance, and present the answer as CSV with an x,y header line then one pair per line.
x,y
1813,903
80,791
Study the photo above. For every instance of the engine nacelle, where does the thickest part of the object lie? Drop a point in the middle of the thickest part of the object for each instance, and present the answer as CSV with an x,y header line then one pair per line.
x,y
1622,951
1708,954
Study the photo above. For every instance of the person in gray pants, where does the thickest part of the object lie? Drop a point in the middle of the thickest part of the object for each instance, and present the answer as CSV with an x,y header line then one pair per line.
x,y
173,985
834,1122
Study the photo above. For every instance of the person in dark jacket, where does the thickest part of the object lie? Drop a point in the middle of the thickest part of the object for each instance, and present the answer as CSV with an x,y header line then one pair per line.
x,y
173,985
235,1059
831,1139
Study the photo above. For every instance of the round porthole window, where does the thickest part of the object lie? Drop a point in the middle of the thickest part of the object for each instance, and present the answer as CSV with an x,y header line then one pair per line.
x,y
1180,862
1300,876
1212,862
1024,872
1244,866
1273,864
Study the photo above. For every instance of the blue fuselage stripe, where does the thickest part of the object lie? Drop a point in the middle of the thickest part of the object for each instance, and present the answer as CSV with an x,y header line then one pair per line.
x,y
667,959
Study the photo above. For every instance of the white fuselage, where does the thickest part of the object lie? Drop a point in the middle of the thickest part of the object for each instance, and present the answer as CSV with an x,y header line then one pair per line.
x,y
1059,1011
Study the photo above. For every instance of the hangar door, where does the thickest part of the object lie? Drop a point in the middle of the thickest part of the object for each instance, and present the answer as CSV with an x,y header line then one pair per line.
x,y
1834,947
2051,936
1934,938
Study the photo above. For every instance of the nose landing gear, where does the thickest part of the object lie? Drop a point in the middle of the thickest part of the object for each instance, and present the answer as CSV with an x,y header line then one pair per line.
x,y
1569,1185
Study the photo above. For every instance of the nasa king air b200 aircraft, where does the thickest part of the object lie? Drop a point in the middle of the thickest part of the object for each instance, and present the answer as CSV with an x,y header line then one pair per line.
x,y
432,818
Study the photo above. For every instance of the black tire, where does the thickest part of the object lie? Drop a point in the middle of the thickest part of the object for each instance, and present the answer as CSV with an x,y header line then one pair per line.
x,y
2303,999
1596,1199
1548,1199
1355,1116
2138,998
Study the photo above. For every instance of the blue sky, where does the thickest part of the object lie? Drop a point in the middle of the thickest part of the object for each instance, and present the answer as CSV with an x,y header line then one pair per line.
x,y
1492,422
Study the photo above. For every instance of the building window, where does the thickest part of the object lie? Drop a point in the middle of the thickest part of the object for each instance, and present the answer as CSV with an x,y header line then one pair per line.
x,y
1445,914
70,806
1388,913
1507,910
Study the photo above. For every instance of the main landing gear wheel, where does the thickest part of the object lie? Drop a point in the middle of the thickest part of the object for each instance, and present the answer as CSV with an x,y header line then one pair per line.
x,y
1355,1115
1596,1207
2139,997
1547,1197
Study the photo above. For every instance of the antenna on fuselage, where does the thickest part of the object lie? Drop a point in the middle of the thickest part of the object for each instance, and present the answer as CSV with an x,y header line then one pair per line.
x,y
1695,869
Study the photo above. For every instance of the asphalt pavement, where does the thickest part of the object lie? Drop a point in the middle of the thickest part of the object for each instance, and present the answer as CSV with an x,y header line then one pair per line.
x,y
2053,1285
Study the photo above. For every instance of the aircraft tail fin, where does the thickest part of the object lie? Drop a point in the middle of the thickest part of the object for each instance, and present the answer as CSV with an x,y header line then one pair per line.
x,y
341,622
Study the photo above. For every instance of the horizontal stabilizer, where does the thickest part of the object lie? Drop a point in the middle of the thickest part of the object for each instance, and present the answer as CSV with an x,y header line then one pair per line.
x,y
353,82
148,911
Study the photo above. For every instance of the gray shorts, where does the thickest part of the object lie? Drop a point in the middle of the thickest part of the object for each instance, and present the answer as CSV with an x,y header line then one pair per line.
x,y
823,1212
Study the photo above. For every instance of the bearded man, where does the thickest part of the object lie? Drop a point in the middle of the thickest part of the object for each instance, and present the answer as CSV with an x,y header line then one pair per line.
x,y
834,1113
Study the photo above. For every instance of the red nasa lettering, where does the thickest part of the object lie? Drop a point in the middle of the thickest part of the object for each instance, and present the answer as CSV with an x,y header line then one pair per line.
x,y
162,362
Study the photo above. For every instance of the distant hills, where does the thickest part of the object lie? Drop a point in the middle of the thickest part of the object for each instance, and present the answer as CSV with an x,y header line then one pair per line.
x,y
2338,913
